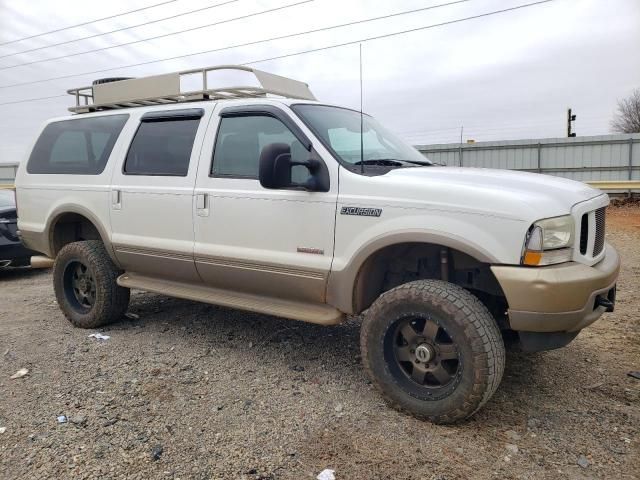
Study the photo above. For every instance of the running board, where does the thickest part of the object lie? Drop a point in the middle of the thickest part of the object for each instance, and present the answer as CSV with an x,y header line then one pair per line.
x,y
306,312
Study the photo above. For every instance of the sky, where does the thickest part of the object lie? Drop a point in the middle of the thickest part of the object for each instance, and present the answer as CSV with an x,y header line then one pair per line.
x,y
507,76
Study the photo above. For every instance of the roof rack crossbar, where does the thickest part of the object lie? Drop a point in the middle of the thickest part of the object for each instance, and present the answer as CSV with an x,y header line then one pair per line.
x,y
166,89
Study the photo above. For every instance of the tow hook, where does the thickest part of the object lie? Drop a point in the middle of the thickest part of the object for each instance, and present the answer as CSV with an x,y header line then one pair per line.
x,y
604,302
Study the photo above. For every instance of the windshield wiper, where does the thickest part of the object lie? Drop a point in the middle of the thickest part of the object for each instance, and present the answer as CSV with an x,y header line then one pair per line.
x,y
384,162
422,163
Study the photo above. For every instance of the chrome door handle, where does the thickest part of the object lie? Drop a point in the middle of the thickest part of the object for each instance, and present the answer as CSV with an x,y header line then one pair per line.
x,y
202,204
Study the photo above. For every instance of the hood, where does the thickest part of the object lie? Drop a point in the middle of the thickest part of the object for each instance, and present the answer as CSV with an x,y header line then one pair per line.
x,y
518,195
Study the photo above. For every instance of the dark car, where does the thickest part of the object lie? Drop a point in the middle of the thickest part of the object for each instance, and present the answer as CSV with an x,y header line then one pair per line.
x,y
12,252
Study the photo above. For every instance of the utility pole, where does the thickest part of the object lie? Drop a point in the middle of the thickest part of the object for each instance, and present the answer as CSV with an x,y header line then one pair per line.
x,y
570,118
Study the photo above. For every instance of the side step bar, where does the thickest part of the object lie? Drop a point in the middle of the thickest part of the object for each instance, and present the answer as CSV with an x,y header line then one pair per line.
x,y
306,312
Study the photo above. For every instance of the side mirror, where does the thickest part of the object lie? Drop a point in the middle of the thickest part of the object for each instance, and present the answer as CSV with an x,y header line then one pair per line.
x,y
275,170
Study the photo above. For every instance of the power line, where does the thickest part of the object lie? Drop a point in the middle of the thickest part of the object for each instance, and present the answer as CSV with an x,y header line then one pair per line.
x,y
273,38
303,52
378,37
177,57
484,128
242,17
170,17
87,23
26,100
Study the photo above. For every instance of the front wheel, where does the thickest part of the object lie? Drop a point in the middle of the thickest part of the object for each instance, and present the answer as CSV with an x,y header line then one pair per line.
x,y
433,350
84,279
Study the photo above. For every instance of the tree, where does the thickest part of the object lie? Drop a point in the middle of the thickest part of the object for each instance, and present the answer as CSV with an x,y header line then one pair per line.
x,y
627,117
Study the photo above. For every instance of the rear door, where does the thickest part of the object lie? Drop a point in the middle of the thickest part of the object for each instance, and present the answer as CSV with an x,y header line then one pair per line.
x,y
152,193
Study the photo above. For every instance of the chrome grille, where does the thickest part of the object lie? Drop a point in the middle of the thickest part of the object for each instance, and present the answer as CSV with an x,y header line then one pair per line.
x,y
598,245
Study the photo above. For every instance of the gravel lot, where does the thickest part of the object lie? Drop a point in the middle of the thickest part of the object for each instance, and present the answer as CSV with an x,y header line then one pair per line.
x,y
194,391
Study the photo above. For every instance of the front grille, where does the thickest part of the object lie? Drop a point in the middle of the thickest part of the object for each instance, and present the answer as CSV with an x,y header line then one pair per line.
x,y
584,233
598,245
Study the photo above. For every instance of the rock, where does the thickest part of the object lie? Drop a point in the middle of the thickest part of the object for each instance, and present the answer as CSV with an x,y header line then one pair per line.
x,y
533,423
156,452
3,429
339,408
582,461
459,450
19,374
511,448
512,435
78,420
634,374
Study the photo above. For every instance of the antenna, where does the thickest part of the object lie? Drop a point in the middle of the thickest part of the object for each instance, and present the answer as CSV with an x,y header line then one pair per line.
x,y
361,119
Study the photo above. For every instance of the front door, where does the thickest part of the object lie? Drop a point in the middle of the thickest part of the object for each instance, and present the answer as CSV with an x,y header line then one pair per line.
x,y
152,193
276,243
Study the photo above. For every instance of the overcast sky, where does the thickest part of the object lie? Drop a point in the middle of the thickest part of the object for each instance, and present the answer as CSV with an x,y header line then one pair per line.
x,y
506,76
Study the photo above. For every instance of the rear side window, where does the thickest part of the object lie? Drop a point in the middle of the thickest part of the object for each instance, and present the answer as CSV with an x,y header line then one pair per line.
x,y
76,147
162,147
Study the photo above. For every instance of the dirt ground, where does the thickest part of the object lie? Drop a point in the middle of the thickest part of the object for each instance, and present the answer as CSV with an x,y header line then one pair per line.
x,y
194,391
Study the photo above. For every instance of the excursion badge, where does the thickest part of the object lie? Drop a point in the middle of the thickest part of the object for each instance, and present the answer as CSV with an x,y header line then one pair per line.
x,y
361,211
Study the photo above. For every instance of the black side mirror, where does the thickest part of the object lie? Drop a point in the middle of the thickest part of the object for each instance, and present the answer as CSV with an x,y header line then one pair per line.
x,y
275,170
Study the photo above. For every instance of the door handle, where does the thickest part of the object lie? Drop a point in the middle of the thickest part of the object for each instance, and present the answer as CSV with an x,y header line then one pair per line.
x,y
116,199
202,204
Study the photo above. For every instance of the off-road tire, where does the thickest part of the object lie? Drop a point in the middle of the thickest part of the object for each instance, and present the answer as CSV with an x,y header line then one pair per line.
x,y
471,328
111,300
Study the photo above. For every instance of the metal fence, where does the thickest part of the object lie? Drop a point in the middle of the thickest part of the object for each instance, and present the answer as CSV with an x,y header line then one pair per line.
x,y
606,157
8,173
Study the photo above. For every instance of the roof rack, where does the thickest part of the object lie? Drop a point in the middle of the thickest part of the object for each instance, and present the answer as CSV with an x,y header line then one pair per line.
x,y
165,89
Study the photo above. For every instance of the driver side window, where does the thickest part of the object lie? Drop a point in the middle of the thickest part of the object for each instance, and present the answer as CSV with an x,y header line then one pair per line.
x,y
240,141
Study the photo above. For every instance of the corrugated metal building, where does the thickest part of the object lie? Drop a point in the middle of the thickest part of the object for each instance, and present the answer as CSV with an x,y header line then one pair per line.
x,y
605,157
8,173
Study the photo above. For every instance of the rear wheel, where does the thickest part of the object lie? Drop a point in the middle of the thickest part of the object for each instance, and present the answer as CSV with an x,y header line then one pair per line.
x,y
84,280
433,350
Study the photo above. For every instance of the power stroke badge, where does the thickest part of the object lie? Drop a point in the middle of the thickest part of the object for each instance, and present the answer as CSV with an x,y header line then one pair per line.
x,y
361,211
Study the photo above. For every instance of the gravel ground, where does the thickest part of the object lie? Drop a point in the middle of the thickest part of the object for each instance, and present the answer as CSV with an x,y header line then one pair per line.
x,y
194,391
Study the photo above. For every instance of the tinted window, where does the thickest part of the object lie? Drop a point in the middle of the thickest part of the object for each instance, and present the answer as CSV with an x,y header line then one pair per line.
x,y
77,147
162,148
241,139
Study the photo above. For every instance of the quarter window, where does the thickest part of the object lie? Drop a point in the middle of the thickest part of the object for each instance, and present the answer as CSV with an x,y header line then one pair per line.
x,y
240,141
162,148
76,147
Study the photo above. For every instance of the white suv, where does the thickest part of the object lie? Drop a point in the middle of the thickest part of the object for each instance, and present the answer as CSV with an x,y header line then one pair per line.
x,y
312,212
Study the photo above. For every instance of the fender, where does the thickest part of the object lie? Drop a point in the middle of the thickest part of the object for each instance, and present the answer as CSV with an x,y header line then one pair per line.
x,y
341,283
60,210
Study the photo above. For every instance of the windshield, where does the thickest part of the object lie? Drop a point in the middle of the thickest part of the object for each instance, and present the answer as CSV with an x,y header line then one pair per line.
x,y
339,130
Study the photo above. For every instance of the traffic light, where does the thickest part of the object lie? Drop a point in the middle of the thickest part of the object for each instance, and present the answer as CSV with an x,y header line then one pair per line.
x,y
570,118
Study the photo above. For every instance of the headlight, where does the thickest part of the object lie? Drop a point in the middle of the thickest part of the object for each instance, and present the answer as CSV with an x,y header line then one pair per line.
x,y
549,241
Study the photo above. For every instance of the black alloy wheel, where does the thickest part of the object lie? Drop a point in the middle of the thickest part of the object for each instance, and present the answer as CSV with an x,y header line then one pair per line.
x,y
79,286
424,355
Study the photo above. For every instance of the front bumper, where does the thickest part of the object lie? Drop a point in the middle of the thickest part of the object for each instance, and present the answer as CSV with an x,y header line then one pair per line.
x,y
559,298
